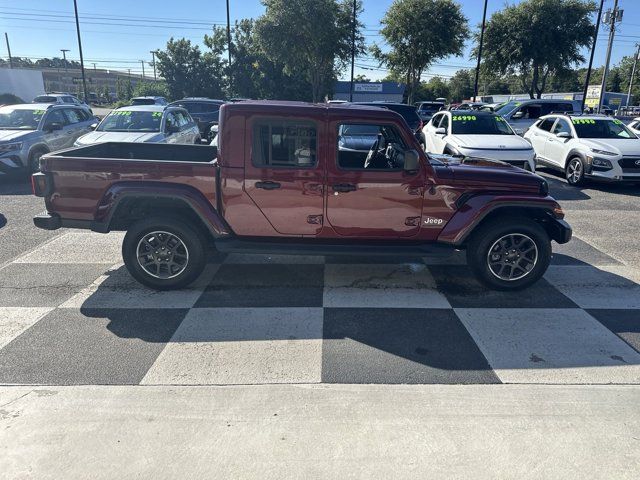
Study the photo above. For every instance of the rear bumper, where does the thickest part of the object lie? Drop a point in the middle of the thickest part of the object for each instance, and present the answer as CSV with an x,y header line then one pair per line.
x,y
559,230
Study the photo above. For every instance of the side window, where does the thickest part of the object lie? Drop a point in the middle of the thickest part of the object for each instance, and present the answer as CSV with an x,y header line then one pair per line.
x,y
73,116
546,124
561,126
56,116
171,121
445,122
356,140
436,120
278,143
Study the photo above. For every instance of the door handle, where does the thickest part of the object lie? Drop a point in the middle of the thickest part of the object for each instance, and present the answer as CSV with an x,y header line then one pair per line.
x,y
344,187
267,185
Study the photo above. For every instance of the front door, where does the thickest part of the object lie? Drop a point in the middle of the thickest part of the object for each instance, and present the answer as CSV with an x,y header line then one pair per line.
x,y
284,173
372,197
556,149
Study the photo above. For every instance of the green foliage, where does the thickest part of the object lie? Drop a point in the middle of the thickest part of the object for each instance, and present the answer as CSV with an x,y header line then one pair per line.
x,y
461,85
10,99
312,37
434,88
121,92
536,39
150,89
419,32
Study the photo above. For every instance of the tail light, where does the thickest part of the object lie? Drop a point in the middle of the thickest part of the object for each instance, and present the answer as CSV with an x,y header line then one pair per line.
x,y
41,184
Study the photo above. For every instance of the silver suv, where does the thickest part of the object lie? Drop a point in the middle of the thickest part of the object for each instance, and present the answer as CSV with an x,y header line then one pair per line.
x,y
61,98
30,130
523,113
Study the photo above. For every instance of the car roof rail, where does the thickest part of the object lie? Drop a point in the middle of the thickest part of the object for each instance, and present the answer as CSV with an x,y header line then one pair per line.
x,y
566,112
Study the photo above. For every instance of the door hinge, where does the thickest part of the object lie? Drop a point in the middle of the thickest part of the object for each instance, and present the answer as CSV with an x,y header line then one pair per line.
x,y
412,221
314,219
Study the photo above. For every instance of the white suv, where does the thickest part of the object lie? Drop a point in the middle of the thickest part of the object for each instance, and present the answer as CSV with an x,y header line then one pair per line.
x,y
586,146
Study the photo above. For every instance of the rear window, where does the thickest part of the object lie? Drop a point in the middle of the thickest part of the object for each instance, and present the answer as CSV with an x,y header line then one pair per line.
x,y
45,99
284,144
143,101
202,107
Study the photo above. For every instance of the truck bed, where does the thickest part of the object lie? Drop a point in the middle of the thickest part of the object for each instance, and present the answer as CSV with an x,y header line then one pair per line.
x,y
143,151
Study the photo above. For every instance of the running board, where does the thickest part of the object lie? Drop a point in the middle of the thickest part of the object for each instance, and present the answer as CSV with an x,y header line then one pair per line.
x,y
315,247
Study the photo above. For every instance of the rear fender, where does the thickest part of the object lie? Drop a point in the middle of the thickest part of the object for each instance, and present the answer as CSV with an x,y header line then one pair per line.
x,y
477,208
193,198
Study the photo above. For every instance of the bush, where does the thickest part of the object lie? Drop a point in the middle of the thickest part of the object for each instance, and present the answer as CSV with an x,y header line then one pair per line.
x,y
151,89
10,99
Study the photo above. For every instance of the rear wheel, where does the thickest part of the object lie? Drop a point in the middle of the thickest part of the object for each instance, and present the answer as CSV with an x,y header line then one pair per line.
x,y
164,253
574,172
509,253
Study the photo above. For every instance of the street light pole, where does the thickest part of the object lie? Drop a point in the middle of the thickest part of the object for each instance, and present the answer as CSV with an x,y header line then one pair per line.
x,y
593,51
64,57
633,72
84,80
353,48
142,62
229,47
475,85
611,18
153,55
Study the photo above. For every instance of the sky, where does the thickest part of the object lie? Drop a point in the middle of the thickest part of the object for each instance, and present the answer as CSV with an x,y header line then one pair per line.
x,y
117,34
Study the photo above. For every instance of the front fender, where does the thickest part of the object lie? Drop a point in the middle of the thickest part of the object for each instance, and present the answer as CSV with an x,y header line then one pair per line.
x,y
476,208
117,192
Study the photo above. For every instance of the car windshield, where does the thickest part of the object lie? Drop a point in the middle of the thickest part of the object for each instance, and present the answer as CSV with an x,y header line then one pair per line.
x,y
507,107
368,130
408,112
592,128
480,125
20,118
430,107
45,99
131,121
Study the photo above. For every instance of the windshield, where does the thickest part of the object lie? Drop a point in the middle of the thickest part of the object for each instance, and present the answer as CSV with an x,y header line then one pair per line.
x,y
591,128
430,107
20,118
507,107
480,125
131,121
368,130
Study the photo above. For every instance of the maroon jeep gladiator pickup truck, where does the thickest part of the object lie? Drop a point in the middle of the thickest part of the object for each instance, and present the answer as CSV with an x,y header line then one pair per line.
x,y
298,178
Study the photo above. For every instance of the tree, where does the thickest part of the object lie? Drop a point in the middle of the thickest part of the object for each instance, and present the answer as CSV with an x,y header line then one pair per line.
x,y
461,85
361,78
536,39
419,32
121,92
150,89
309,36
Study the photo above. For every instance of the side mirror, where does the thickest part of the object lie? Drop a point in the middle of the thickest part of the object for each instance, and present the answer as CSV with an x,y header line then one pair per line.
x,y
172,129
518,115
214,129
441,131
411,161
52,127
563,135
93,126
519,131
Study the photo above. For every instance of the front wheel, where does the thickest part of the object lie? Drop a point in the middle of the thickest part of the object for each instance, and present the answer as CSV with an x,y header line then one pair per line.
x,y
164,253
509,253
575,172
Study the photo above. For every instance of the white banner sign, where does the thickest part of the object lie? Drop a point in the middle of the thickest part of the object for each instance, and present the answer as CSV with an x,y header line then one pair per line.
x,y
367,87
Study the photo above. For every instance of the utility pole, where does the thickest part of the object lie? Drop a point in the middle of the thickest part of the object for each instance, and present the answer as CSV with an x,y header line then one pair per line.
x,y
593,50
142,62
633,72
6,37
353,48
610,18
84,80
229,48
64,56
94,66
153,55
475,85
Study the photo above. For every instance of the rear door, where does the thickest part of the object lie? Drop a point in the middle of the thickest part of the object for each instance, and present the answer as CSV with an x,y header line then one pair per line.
x,y
383,201
539,135
284,172
557,148
56,139
78,124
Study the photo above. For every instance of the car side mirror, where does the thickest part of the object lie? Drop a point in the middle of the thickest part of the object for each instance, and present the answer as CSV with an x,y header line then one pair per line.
x,y
93,126
441,131
563,135
52,127
518,115
172,129
411,161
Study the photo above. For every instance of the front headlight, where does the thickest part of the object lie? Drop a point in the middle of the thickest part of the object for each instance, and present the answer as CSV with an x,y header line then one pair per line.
x,y
603,152
9,147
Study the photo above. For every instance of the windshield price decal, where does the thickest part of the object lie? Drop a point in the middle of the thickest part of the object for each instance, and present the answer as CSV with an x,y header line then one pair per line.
x,y
121,112
38,112
617,122
463,118
156,114
589,121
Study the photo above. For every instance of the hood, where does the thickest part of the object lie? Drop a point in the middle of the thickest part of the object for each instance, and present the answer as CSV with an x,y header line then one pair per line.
x,y
630,146
497,142
487,174
9,135
357,142
100,137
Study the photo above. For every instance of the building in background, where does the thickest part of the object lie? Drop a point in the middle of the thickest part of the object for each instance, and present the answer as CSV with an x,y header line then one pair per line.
x,y
370,91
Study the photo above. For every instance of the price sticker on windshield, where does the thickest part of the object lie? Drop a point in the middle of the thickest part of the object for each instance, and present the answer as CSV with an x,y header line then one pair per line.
x,y
122,112
463,118
156,114
617,122
583,121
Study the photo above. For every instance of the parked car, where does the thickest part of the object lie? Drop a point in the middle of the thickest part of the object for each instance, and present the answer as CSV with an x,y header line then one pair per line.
x,y
491,107
149,100
63,99
522,114
28,131
204,111
144,123
477,134
586,147
427,109
634,126
470,106
408,112
293,193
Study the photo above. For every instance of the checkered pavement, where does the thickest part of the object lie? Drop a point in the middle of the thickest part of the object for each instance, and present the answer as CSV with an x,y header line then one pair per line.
x,y
70,314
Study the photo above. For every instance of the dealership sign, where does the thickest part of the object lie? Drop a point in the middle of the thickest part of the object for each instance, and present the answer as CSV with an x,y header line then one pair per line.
x,y
367,87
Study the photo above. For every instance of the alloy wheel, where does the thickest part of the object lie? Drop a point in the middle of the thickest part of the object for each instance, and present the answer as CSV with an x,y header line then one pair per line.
x,y
512,257
162,254
574,171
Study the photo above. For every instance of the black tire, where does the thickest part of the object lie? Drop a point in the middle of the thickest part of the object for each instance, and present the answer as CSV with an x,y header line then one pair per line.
x,y
494,236
175,276
574,171
34,160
